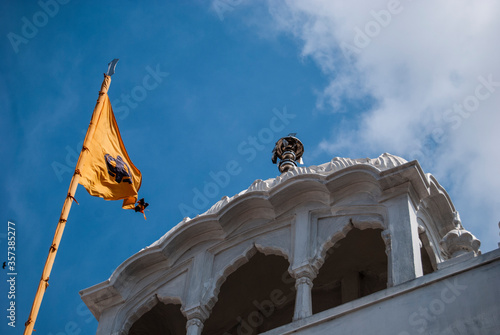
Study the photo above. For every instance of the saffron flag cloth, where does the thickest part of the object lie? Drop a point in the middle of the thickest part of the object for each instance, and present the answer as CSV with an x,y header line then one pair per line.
x,y
107,170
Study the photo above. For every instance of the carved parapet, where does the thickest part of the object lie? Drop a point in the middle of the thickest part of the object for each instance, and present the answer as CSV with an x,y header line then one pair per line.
x,y
459,241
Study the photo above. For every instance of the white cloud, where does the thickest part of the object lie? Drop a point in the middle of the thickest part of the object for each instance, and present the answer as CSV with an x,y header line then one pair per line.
x,y
418,60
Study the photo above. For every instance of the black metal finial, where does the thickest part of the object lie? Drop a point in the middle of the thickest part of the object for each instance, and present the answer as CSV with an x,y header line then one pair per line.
x,y
288,150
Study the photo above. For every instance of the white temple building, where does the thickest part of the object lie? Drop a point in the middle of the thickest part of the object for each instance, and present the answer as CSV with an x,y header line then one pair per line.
x,y
352,246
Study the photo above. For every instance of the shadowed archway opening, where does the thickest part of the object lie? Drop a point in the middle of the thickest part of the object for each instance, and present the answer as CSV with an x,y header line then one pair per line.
x,y
426,261
354,267
160,320
258,296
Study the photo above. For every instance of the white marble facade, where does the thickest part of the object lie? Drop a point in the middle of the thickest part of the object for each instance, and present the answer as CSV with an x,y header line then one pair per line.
x,y
301,221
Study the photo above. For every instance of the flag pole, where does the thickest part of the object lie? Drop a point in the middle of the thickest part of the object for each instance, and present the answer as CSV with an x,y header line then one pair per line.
x,y
44,280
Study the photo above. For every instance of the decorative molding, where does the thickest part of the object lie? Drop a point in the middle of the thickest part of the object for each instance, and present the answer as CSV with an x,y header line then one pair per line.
x,y
303,280
326,243
196,314
133,315
384,162
194,322
349,221
421,229
210,298
169,300
218,205
386,236
304,272
459,241
194,326
220,277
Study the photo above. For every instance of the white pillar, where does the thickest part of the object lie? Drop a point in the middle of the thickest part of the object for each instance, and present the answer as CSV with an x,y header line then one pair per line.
x,y
303,283
301,268
194,326
195,316
403,238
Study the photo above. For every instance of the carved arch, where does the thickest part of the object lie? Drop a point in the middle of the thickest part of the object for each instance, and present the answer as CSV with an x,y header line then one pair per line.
x,y
142,308
134,314
160,319
354,267
136,307
220,277
256,282
428,239
347,223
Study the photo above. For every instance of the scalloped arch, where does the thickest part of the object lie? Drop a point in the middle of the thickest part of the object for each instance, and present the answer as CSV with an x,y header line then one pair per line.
x,y
361,222
143,309
133,314
220,277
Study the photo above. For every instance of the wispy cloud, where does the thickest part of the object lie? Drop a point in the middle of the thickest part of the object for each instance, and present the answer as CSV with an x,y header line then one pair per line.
x,y
422,63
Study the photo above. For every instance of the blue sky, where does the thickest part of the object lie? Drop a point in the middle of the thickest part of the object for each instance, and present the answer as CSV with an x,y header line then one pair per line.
x,y
204,89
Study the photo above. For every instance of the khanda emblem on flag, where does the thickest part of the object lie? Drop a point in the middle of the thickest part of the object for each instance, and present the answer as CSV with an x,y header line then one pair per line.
x,y
118,168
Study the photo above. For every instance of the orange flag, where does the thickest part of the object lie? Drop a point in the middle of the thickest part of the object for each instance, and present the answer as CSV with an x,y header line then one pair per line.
x,y
107,171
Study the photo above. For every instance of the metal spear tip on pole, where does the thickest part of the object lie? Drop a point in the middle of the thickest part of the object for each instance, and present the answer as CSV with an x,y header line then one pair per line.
x,y
111,67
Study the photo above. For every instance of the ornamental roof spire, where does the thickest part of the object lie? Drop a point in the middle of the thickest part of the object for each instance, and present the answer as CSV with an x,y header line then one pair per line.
x,y
288,150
